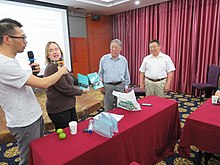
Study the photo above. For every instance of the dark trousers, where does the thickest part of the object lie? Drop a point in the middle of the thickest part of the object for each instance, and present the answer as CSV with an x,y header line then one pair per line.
x,y
110,101
24,135
62,119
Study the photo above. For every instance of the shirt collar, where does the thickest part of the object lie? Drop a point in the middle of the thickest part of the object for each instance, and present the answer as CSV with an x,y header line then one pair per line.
x,y
112,57
159,55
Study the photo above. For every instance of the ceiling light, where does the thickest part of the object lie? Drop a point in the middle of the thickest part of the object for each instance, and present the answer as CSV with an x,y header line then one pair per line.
x,y
137,2
99,3
107,0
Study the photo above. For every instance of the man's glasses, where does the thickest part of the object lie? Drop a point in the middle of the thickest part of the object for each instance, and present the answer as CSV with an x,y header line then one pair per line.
x,y
19,37
153,47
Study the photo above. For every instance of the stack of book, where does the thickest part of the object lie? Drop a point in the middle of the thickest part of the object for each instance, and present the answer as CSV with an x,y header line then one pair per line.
x,y
92,78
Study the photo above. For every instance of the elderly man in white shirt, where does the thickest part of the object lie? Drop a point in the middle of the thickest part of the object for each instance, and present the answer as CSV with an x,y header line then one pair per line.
x,y
156,71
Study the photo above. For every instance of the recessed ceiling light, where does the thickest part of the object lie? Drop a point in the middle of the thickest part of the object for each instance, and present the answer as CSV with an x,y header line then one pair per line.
x,y
107,0
137,2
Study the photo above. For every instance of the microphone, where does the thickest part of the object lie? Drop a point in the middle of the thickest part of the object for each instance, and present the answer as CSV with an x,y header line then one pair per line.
x,y
31,59
60,63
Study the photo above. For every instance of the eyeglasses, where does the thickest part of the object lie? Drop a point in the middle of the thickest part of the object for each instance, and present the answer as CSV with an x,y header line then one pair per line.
x,y
19,37
153,47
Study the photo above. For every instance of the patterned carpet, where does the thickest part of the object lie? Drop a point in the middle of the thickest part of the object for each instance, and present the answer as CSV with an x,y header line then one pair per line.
x,y
9,152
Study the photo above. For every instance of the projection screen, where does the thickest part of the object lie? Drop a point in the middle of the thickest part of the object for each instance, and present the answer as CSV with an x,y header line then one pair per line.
x,y
42,22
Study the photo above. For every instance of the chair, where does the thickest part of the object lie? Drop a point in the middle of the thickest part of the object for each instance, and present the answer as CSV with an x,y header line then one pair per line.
x,y
212,83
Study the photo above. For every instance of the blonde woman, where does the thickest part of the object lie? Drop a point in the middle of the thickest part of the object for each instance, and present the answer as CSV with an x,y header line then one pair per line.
x,y
61,100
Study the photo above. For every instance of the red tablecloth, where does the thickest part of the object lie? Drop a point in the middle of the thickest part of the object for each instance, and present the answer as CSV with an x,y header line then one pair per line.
x,y
145,137
202,129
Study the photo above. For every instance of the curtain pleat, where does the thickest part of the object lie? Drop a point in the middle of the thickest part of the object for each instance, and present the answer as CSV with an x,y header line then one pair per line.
x,y
188,31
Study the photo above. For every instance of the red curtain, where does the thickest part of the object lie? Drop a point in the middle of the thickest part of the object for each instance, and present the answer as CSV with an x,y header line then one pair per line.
x,y
189,32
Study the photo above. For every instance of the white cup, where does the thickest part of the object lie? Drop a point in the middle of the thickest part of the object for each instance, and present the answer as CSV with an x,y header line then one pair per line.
x,y
214,99
73,127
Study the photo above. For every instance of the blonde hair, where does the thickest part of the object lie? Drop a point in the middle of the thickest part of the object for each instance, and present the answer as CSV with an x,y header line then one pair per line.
x,y
47,59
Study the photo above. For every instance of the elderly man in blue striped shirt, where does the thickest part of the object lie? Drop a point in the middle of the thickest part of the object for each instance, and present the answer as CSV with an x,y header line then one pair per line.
x,y
114,73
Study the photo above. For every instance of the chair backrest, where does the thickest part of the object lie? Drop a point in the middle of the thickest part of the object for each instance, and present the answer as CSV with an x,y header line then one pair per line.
x,y
213,75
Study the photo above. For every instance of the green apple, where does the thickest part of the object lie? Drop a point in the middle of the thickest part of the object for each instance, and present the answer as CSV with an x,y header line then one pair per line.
x,y
62,136
59,131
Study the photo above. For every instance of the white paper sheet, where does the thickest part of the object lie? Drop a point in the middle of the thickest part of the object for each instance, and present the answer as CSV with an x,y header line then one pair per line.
x,y
116,116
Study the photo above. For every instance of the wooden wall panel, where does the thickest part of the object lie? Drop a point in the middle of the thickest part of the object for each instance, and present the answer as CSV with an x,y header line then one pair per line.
x,y
79,49
99,36
86,52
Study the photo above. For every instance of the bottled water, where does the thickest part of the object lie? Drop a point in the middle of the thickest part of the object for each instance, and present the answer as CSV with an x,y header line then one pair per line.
x,y
90,126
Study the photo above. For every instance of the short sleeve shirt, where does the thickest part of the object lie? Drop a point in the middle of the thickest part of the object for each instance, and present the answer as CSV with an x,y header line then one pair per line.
x,y
157,67
17,100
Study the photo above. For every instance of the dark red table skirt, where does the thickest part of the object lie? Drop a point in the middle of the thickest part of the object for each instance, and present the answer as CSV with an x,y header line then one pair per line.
x,y
144,137
202,129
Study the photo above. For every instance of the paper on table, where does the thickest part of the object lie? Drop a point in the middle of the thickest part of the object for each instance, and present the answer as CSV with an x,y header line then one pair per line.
x,y
106,124
103,127
116,116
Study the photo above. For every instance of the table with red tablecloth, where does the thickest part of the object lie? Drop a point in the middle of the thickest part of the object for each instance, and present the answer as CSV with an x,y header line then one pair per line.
x,y
144,137
202,129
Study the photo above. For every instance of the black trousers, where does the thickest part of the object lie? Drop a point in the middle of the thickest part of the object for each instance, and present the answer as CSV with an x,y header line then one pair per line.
x,y
62,119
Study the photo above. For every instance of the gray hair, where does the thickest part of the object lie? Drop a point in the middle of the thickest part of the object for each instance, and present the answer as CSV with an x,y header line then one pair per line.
x,y
116,41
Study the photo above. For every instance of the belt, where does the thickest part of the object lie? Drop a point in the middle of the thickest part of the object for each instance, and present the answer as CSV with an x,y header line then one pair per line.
x,y
114,83
155,80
